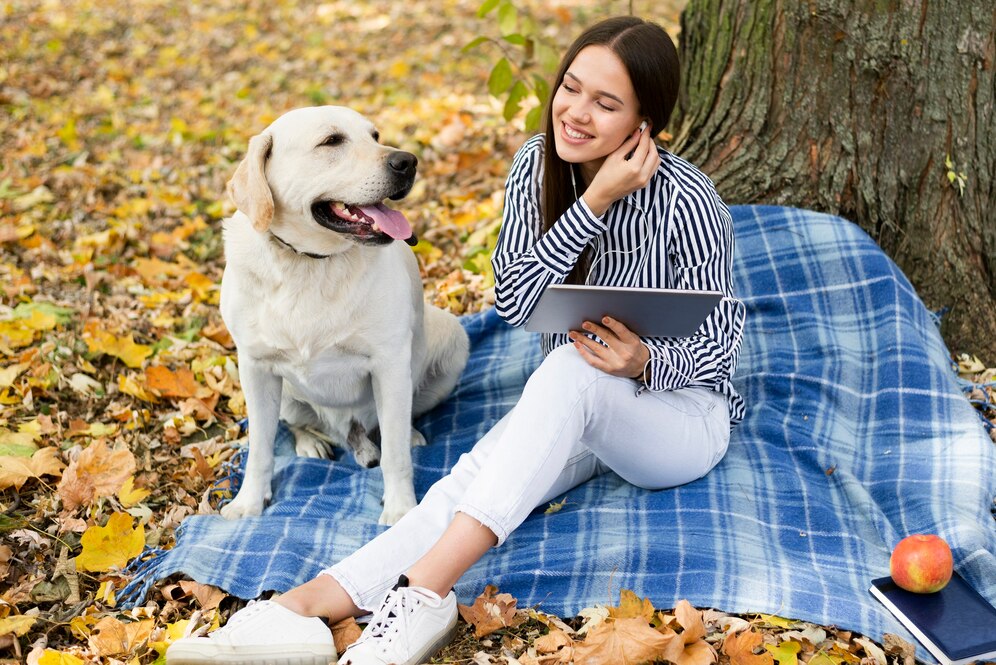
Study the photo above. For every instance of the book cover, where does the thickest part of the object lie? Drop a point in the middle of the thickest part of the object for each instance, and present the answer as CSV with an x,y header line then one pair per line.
x,y
956,624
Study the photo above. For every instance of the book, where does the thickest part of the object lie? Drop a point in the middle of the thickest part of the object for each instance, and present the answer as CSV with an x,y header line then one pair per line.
x,y
956,624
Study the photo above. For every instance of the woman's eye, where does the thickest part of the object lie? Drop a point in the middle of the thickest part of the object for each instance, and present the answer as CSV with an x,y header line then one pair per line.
x,y
569,88
607,108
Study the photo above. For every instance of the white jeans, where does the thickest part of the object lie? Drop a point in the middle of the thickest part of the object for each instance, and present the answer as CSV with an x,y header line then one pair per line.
x,y
571,423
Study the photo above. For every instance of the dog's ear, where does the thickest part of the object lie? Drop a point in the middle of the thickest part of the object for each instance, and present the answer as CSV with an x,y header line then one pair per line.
x,y
249,189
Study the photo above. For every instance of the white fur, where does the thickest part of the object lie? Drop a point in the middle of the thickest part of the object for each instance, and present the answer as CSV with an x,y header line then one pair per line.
x,y
335,346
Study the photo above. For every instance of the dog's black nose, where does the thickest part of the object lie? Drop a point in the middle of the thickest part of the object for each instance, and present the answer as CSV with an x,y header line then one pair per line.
x,y
403,163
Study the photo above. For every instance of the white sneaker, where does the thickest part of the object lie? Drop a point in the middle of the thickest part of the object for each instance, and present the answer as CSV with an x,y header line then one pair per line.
x,y
411,625
262,632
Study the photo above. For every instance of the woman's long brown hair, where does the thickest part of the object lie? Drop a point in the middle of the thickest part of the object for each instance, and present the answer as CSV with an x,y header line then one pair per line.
x,y
651,60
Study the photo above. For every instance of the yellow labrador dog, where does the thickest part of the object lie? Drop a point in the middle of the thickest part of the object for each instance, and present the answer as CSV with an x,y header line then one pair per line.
x,y
323,298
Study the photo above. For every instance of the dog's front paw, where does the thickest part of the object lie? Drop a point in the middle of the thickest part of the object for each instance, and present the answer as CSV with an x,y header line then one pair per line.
x,y
307,444
244,505
395,509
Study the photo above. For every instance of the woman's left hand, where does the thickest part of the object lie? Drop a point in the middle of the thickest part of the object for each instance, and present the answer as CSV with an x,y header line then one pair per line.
x,y
625,355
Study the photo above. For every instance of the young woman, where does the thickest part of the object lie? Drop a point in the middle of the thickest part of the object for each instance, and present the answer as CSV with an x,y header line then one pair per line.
x,y
591,200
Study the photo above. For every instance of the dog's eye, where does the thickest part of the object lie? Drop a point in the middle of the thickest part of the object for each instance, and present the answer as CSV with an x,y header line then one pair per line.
x,y
334,140
376,136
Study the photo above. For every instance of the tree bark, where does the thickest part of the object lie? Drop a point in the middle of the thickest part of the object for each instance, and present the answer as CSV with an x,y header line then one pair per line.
x,y
852,107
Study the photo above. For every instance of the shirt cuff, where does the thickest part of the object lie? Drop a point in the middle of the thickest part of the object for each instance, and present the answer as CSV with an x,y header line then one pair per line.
x,y
559,248
670,368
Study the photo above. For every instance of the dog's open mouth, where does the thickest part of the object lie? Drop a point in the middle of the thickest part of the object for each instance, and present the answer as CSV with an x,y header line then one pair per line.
x,y
370,224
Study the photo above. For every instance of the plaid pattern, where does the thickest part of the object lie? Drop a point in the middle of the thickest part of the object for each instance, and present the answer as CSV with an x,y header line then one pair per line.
x,y
856,435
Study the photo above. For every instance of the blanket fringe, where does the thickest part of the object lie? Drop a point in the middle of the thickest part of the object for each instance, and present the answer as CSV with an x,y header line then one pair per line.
x,y
143,568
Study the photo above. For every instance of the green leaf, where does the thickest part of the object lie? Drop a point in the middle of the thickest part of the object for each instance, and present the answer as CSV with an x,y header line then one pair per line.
x,y
541,88
62,315
501,77
533,118
508,18
474,44
547,56
514,101
516,39
486,7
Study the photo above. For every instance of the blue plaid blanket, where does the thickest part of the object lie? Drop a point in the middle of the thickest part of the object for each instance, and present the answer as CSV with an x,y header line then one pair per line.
x,y
856,435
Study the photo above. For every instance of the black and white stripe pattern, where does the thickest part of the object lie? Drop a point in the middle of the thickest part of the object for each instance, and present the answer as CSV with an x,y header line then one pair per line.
x,y
691,247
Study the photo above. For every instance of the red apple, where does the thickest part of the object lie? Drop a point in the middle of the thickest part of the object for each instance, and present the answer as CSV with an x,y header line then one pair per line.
x,y
921,563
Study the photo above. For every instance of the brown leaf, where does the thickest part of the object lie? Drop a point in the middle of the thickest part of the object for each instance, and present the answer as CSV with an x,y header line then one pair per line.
x,y
217,332
699,652
5,556
345,633
740,648
691,620
97,472
208,596
491,612
626,642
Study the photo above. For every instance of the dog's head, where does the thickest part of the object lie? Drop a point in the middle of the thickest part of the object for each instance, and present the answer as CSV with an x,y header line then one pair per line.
x,y
317,178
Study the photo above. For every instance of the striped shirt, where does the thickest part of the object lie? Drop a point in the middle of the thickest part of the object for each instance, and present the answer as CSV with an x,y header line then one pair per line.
x,y
690,247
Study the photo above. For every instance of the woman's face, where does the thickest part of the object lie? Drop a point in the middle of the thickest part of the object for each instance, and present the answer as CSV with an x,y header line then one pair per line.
x,y
594,109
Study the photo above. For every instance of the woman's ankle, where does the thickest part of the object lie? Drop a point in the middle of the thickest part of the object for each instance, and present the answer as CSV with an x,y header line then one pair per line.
x,y
322,597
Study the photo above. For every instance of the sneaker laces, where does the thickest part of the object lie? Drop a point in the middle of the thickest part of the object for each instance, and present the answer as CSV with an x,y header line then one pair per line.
x,y
393,615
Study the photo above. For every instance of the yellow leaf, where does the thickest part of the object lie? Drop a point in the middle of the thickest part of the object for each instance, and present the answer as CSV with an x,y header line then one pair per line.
x,y
555,507
97,472
201,286
10,373
785,653
125,348
775,620
630,605
173,632
111,546
18,625
52,657
15,471
129,386
399,69
129,495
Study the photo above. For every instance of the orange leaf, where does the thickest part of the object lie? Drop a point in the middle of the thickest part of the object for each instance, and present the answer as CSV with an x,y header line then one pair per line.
x,y
208,596
345,633
626,642
180,383
740,648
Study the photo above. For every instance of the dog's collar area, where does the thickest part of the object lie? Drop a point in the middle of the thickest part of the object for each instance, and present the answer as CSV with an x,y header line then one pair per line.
x,y
296,250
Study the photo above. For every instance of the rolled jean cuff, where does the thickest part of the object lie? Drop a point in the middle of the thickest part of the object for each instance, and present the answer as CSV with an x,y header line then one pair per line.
x,y
484,519
348,587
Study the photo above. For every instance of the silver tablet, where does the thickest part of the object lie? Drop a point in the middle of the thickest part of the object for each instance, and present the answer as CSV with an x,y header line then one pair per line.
x,y
647,312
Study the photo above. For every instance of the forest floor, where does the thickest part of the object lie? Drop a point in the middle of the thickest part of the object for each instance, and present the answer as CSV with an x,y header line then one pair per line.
x,y
119,399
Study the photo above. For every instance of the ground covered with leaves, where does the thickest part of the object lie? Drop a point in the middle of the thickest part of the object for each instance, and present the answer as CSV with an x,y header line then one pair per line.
x,y
119,391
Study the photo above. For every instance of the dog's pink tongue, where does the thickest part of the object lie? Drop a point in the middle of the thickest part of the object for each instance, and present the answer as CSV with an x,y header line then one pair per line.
x,y
390,221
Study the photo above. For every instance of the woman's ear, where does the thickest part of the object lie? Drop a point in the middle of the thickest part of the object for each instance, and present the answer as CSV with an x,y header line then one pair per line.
x,y
249,189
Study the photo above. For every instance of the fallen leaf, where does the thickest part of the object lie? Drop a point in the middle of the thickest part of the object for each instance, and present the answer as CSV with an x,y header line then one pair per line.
x,y
111,636
180,383
97,472
592,617
10,373
208,596
111,546
740,648
129,495
15,471
626,642
125,348
17,625
553,642
491,612
631,606
344,633
52,657
696,650
777,621
872,649
555,507
785,652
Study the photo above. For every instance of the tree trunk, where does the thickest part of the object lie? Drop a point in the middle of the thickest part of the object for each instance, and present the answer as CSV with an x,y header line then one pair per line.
x,y
852,107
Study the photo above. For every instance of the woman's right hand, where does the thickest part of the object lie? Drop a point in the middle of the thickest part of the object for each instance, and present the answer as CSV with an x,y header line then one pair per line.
x,y
618,176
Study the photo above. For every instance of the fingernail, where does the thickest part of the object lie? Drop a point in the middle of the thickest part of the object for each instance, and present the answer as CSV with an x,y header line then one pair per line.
x,y
606,320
